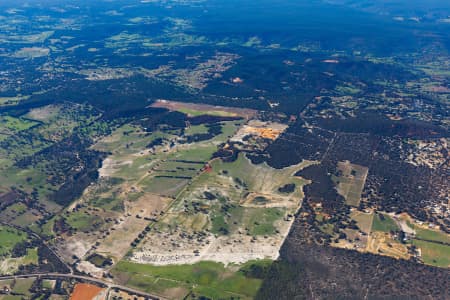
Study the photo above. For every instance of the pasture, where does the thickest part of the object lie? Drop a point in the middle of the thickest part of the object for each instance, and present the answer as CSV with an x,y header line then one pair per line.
x,y
350,181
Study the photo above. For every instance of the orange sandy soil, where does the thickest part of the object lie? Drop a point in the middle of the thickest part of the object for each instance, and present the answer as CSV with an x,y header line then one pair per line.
x,y
84,291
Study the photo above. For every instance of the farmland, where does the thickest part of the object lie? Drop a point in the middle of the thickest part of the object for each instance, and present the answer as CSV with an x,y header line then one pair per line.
x,y
233,206
384,223
85,291
164,197
204,109
210,279
433,253
350,181
9,237
206,149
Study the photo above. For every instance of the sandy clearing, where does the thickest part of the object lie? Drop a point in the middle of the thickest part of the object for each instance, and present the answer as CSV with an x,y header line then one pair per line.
x,y
117,243
110,166
84,291
174,105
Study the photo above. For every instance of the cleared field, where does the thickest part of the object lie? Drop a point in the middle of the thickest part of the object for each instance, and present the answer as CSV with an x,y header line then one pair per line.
x,y
11,125
267,130
117,243
433,253
384,223
23,286
208,279
429,234
355,239
364,220
232,212
350,181
84,291
139,179
194,109
48,284
259,179
7,101
382,243
9,237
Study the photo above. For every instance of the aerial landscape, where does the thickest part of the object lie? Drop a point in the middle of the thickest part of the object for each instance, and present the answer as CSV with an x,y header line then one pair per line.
x,y
224,149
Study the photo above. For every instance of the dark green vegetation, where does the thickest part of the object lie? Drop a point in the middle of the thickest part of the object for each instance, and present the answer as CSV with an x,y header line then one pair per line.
x,y
288,188
99,261
307,268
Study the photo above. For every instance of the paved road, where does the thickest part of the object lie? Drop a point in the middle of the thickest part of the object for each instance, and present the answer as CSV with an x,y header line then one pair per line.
x,y
109,285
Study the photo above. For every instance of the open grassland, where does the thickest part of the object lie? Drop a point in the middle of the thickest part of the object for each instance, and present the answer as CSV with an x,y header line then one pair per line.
x,y
19,214
194,112
433,253
208,279
138,181
9,101
9,237
428,234
350,181
364,220
384,223
242,183
194,109
259,179
23,286
83,220
231,212
11,125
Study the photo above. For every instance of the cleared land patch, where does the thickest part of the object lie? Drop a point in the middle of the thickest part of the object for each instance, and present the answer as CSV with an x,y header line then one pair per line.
x,y
194,109
84,291
233,212
350,181
210,279
267,130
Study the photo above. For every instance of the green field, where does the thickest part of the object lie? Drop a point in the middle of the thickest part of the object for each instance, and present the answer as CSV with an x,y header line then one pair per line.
x,y
259,177
433,253
83,221
386,225
10,124
350,181
9,237
260,221
194,113
209,279
197,129
430,234
22,286
48,284
229,183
